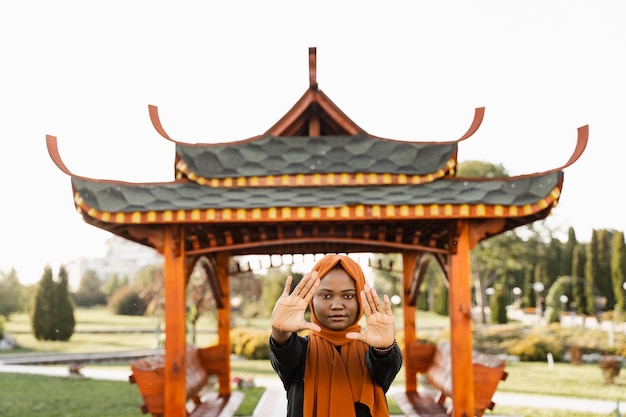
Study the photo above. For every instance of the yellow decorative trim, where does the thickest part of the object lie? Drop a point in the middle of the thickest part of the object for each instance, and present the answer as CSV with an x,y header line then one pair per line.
x,y
360,211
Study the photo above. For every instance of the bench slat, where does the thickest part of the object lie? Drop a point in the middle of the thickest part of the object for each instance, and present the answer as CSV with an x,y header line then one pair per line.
x,y
149,375
488,371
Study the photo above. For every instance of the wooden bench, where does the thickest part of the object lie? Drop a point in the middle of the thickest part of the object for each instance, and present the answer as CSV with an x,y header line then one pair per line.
x,y
149,375
488,372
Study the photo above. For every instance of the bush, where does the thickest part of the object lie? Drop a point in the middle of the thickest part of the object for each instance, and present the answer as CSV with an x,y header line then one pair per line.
x,y
534,348
497,339
3,324
127,301
250,343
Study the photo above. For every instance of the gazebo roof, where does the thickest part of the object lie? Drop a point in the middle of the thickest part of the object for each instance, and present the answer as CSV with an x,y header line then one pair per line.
x,y
315,181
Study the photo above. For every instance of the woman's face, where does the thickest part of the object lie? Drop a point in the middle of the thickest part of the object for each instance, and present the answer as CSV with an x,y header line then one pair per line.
x,y
336,302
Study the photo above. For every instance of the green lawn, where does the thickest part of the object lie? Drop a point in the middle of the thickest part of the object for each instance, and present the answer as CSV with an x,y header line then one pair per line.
x,y
62,396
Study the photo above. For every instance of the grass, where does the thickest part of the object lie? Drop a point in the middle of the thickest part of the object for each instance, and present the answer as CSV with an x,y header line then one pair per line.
x,y
62,396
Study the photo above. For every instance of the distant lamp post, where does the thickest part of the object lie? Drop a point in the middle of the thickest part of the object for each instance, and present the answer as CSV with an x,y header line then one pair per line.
x,y
396,299
541,305
517,292
564,299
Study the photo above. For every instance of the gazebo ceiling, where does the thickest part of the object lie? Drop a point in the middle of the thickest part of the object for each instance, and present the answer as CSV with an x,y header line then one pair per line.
x,y
315,182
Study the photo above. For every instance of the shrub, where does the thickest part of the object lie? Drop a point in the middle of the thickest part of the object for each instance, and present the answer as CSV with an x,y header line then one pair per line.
x,y
534,348
497,339
128,302
2,326
250,343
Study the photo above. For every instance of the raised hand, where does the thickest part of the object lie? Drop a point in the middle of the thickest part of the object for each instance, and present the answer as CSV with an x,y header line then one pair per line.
x,y
381,326
288,313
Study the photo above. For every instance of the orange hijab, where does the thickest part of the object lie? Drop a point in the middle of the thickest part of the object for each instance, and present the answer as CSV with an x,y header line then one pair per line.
x,y
333,382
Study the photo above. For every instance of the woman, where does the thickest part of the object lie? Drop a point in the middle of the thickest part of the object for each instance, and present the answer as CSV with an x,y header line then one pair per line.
x,y
337,370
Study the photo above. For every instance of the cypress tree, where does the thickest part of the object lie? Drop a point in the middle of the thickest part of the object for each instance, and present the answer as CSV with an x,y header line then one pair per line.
x,y
591,272
567,255
579,292
52,315
618,270
602,279
64,307
42,311
498,305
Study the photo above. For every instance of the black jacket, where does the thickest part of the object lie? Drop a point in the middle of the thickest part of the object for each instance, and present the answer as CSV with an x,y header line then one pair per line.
x,y
288,362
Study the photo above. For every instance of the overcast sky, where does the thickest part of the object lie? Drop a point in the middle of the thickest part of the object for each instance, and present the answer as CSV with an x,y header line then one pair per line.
x,y
221,71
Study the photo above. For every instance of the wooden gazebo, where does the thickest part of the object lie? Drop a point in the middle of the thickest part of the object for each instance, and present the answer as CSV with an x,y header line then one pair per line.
x,y
316,182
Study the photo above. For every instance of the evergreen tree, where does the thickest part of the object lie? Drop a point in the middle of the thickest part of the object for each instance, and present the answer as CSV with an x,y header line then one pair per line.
x,y
591,272
42,321
602,279
552,261
441,306
52,315
498,305
618,271
63,308
10,293
579,283
529,298
567,254
90,293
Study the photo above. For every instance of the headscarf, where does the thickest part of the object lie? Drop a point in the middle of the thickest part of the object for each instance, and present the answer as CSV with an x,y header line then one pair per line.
x,y
331,378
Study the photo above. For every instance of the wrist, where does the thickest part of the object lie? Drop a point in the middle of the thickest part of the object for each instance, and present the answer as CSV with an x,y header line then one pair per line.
x,y
384,351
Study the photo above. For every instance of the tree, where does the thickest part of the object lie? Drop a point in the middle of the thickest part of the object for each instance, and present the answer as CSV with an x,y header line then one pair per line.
x,y
113,283
603,277
200,299
495,258
498,305
89,293
52,316
579,283
618,270
568,253
63,308
10,293
591,271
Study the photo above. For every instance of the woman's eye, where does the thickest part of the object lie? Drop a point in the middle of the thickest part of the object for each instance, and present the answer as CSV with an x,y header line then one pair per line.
x,y
349,296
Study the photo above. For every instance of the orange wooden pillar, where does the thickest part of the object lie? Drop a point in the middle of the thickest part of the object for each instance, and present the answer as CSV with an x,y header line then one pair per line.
x,y
175,321
408,268
223,318
461,325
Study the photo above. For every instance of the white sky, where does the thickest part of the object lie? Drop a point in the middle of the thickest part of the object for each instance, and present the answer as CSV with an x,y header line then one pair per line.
x,y
219,71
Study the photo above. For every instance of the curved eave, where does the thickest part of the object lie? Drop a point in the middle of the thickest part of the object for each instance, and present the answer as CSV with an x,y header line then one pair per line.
x,y
357,212
330,180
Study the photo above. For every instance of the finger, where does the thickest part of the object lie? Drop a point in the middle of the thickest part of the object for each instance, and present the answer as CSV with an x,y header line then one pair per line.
x,y
287,286
367,309
315,282
304,285
376,300
312,326
372,299
357,336
387,305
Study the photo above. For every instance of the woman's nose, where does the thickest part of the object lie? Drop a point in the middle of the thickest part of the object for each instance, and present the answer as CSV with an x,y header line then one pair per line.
x,y
336,303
